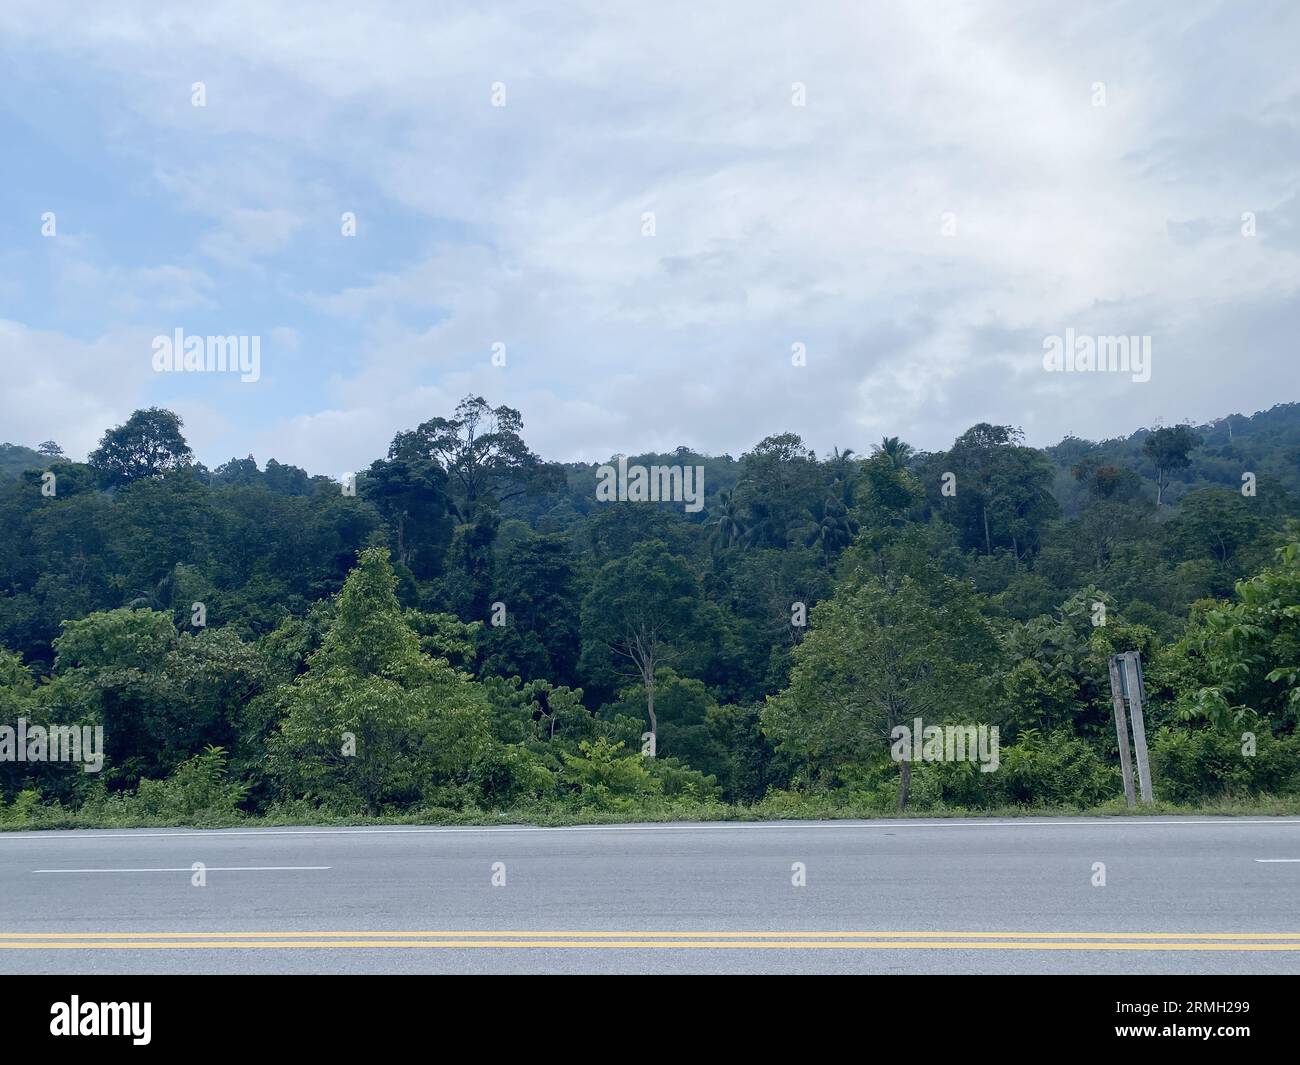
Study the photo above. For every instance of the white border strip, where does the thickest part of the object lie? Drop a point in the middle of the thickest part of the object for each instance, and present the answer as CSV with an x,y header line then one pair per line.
x,y
677,826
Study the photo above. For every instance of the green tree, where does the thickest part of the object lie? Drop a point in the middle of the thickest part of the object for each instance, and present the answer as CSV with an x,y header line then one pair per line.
x,y
537,583
466,587
894,450
638,608
237,471
411,494
879,656
1058,680
1003,490
1246,652
1215,523
160,695
483,453
1168,450
728,522
686,711
373,721
148,444
830,528
780,481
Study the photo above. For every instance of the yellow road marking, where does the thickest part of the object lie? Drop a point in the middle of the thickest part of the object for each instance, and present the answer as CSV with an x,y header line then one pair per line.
x,y
642,944
396,939
397,933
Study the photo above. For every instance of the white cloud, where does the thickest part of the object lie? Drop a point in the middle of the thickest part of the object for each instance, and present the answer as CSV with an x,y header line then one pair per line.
x,y
775,223
65,390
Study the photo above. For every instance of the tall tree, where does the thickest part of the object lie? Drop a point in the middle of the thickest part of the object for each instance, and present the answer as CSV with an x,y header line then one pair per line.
x,y
830,528
1003,489
728,521
895,450
373,719
779,483
411,494
880,655
1168,450
148,444
483,453
638,607
537,583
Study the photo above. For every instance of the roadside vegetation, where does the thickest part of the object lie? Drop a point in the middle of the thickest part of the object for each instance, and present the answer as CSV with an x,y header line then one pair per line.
x,y
467,636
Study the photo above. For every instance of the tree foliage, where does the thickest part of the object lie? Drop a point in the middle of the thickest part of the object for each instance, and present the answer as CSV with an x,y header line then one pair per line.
x,y
474,632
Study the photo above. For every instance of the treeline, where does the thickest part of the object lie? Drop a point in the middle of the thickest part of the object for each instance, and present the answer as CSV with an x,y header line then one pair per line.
x,y
464,629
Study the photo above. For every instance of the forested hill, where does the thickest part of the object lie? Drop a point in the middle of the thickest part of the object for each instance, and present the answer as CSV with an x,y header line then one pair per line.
x,y
1267,443
503,635
14,459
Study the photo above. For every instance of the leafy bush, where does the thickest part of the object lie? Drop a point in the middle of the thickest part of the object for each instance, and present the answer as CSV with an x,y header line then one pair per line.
x,y
600,776
20,811
1056,769
1192,764
506,775
198,790
679,782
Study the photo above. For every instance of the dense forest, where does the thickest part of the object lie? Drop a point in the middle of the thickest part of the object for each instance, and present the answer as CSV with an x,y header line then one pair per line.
x,y
464,630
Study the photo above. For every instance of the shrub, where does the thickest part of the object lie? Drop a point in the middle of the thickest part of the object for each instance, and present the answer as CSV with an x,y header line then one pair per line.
x,y
1191,764
198,789
1056,770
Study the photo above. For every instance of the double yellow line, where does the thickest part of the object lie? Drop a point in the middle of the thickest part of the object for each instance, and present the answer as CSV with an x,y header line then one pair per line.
x,y
400,939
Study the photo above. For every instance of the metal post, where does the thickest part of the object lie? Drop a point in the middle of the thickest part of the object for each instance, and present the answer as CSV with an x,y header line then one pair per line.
x,y
1132,669
1121,731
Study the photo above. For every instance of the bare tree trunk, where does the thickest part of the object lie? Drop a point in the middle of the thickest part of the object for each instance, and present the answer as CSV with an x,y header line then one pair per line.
x,y
904,782
650,709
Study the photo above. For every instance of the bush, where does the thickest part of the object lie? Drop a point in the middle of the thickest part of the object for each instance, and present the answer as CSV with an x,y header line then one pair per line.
x,y
680,783
947,784
1191,764
1056,770
20,811
604,778
508,774
197,790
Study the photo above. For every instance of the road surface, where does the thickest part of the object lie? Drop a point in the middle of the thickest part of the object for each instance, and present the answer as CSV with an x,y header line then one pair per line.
x,y
1180,895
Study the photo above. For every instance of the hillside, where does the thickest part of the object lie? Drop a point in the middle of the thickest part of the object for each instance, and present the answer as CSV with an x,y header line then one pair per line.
x,y
531,632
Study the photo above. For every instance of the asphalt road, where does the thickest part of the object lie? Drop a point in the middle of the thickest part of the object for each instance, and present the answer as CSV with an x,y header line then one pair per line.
x,y
1181,895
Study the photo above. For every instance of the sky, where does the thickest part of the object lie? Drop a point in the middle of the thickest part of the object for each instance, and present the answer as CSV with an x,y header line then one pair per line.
x,y
681,224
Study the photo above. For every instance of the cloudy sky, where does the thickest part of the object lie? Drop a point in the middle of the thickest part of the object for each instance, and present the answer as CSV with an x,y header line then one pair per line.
x,y
950,186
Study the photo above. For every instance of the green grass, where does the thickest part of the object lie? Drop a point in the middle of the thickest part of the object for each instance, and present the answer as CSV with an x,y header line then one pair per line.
x,y
810,809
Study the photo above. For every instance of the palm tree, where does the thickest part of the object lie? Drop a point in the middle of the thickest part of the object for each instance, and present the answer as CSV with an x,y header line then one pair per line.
x,y
158,597
761,528
843,467
831,528
895,450
730,523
